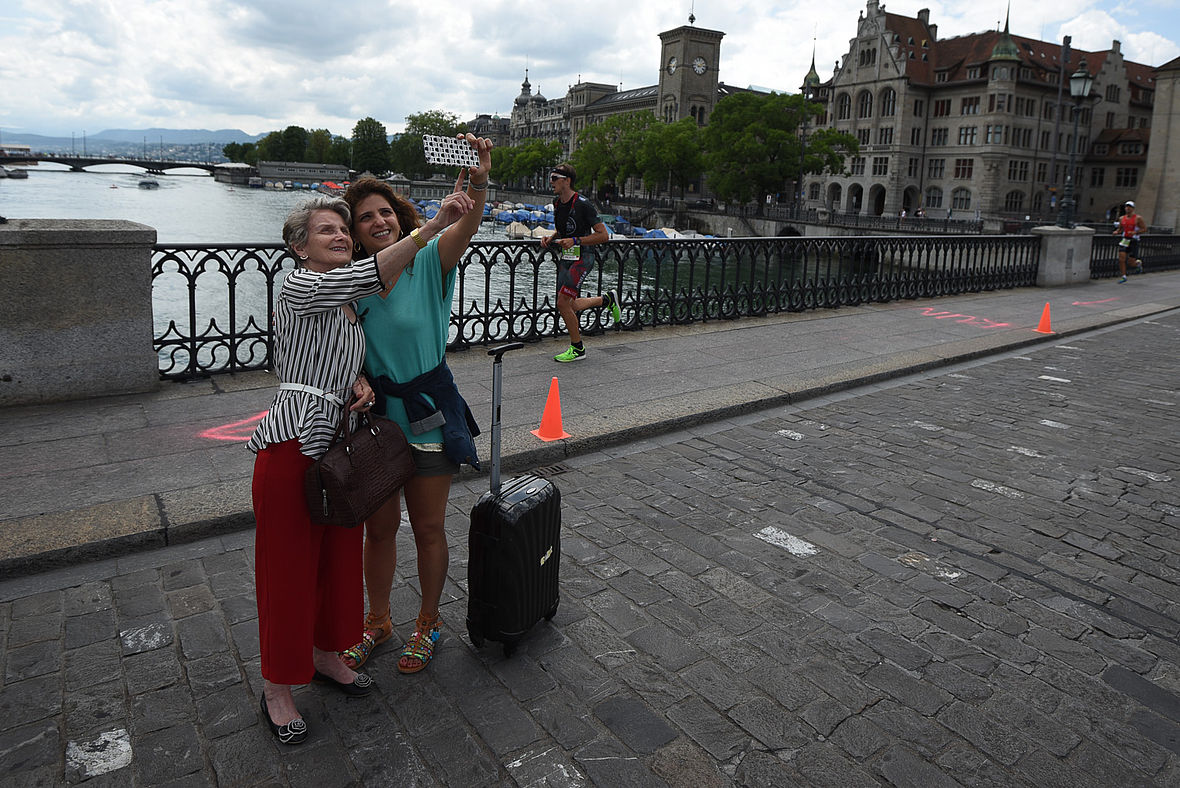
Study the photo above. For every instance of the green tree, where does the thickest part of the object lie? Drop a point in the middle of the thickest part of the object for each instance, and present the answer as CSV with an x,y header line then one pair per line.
x,y
671,155
534,158
241,152
293,144
270,147
319,145
827,150
609,151
504,164
406,153
370,151
340,151
753,145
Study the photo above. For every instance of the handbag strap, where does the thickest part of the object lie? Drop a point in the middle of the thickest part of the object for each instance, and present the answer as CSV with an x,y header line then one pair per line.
x,y
343,427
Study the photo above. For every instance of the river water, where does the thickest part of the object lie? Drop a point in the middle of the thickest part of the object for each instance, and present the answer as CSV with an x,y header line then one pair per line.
x,y
185,209
196,209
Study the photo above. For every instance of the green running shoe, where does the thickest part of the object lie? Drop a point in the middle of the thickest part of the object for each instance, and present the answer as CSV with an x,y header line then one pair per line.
x,y
612,303
573,354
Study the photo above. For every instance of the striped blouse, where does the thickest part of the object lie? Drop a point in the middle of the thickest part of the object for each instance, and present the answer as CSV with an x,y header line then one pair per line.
x,y
315,345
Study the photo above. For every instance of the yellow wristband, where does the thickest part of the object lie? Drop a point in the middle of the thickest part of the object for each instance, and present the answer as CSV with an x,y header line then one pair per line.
x,y
417,238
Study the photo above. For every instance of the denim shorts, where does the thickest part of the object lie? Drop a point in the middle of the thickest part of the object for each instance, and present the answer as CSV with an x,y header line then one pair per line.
x,y
432,461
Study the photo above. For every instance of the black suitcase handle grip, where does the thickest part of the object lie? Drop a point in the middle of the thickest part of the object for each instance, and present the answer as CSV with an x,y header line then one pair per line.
x,y
500,350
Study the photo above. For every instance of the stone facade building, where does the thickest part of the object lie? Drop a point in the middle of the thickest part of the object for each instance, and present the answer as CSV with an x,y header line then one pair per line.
x,y
689,86
974,126
1159,194
493,127
979,125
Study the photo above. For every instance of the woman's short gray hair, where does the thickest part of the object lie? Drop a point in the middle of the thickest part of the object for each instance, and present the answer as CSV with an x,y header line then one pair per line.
x,y
295,229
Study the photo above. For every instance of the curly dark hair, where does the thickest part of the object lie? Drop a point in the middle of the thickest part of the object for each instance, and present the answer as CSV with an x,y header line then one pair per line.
x,y
407,214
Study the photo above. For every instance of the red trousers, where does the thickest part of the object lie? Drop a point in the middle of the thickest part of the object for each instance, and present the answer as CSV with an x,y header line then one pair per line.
x,y
308,577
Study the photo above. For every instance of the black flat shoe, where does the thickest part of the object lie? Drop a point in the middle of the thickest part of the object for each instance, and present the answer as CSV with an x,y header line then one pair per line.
x,y
361,685
294,732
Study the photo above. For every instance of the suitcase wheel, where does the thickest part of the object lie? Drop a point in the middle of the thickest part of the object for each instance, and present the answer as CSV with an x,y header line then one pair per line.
x,y
509,649
553,612
476,638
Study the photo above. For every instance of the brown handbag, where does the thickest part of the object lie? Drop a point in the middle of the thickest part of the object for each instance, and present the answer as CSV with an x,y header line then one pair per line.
x,y
359,472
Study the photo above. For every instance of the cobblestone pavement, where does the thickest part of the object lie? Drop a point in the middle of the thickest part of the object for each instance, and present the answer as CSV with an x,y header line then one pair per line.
x,y
965,578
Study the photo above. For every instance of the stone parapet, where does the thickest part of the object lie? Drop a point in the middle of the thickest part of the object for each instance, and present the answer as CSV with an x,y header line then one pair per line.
x,y
1065,255
77,306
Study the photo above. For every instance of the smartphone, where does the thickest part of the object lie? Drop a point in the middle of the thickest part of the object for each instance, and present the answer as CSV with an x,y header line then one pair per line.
x,y
449,150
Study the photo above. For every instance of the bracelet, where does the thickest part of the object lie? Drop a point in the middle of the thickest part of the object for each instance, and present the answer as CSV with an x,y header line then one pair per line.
x,y
417,238
478,187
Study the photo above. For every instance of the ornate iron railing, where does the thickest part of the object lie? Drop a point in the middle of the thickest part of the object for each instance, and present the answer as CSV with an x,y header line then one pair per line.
x,y
213,303
1157,252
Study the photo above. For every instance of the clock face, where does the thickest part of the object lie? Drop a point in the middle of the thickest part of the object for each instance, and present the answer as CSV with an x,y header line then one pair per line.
x,y
672,64
698,65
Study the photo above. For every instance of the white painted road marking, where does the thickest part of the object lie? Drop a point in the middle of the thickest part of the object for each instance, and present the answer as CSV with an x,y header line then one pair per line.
x,y
1155,477
1007,492
105,753
792,544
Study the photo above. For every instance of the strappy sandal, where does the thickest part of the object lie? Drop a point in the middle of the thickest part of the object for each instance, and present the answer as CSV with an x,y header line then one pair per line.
x,y
377,631
420,647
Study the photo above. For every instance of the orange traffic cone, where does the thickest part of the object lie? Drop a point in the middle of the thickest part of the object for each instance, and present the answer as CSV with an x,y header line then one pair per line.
x,y
1044,327
550,429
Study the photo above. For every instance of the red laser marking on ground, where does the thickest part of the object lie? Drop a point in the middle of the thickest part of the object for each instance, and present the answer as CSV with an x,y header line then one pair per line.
x,y
969,320
1088,303
238,431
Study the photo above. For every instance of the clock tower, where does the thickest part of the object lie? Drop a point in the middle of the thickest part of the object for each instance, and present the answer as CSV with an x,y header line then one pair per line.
x,y
689,59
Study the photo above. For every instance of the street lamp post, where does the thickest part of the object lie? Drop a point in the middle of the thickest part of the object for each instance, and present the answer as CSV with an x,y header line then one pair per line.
x,y
1080,83
808,95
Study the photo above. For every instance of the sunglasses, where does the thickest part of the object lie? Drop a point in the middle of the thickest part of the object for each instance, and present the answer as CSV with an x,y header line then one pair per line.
x,y
555,177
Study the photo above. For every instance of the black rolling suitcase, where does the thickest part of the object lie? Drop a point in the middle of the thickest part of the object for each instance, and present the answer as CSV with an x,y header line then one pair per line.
x,y
514,546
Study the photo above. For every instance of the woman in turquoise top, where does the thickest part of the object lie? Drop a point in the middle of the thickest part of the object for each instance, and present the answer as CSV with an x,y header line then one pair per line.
x,y
406,327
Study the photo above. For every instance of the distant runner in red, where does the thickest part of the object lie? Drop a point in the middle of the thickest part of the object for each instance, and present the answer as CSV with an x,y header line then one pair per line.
x,y
1130,226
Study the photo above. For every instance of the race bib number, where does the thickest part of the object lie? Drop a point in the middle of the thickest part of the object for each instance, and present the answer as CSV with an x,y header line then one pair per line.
x,y
1125,242
573,253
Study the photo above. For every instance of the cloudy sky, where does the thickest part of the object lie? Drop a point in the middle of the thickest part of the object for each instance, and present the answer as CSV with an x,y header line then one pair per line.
x,y
70,66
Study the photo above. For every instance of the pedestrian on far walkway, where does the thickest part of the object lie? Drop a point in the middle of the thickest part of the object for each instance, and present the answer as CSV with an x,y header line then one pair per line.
x,y
1130,226
578,227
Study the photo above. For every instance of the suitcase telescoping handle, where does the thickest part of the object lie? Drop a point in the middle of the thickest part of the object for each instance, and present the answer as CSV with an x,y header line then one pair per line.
x,y
497,391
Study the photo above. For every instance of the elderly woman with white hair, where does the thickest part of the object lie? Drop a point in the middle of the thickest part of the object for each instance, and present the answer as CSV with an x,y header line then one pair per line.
x,y
308,576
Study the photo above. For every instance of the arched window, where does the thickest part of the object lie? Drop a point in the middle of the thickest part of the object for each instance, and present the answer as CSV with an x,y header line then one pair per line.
x,y
888,103
864,105
843,106
1014,201
961,199
934,197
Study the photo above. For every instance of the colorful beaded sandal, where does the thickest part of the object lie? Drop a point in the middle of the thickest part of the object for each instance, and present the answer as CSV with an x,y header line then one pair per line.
x,y
377,631
420,647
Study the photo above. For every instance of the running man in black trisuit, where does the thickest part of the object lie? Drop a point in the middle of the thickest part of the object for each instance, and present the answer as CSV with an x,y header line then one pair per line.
x,y
577,226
